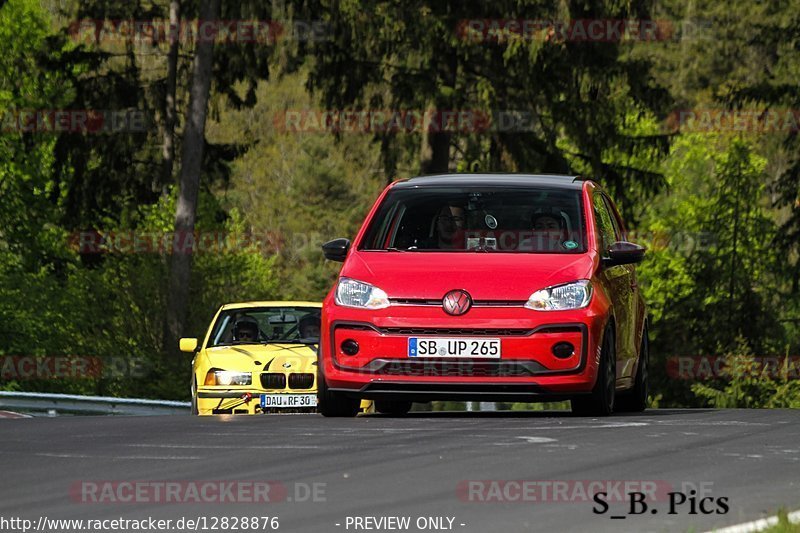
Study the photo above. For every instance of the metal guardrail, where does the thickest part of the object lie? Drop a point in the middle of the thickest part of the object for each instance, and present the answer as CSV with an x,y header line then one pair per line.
x,y
98,405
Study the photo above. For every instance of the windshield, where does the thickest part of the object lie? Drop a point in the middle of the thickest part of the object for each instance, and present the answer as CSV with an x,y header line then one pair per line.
x,y
261,325
528,220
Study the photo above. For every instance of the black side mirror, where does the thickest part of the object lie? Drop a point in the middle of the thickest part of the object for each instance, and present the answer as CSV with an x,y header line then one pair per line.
x,y
624,253
336,250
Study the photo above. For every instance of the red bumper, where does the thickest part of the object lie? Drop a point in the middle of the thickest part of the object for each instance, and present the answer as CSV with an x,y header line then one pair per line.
x,y
526,371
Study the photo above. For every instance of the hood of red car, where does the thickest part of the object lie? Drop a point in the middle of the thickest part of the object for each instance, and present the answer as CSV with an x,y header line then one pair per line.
x,y
485,275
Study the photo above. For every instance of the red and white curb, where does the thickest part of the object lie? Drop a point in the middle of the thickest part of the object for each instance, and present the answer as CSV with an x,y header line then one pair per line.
x,y
758,525
11,414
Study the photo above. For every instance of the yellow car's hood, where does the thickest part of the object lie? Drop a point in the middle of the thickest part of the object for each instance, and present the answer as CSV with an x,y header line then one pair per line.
x,y
264,357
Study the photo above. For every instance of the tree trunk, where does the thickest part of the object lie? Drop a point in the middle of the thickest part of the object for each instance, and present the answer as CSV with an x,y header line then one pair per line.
x,y
439,136
168,147
189,182
439,143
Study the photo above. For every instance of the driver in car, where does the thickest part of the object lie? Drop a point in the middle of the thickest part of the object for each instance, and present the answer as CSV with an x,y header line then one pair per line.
x,y
549,233
309,327
245,329
450,228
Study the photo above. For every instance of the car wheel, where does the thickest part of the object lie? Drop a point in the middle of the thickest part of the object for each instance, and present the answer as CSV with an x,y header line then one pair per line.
x,y
195,410
635,401
334,403
601,400
392,407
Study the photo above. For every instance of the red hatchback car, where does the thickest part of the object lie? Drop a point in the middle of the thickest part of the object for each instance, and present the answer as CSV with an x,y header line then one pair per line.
x,y
486,287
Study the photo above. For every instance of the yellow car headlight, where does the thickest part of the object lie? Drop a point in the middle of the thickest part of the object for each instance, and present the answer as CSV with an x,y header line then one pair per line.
x,y
228,377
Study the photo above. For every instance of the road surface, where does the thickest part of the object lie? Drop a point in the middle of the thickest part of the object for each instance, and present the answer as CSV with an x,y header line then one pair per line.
x,y
468,472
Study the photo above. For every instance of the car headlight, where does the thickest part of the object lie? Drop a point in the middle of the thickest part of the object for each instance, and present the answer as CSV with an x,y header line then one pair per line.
x,y
353,293
575,295
228,377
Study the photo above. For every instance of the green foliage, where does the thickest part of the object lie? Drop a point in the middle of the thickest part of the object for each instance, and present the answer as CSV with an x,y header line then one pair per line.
x,y
400,55
297,190
115,311
712,273
748,383
719,212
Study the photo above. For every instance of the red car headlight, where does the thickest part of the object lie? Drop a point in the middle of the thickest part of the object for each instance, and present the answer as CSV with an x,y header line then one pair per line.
x,y
354,293
575,295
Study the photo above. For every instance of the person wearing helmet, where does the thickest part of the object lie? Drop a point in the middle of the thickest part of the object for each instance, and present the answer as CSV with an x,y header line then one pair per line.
x,y
245,329
309,327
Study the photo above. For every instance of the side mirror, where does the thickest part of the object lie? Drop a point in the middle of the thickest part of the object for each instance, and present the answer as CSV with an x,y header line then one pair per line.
x,y
189,345
624,253
336,250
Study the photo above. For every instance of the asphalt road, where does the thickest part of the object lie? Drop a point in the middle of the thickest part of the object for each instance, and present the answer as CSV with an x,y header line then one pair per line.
x,y
327,473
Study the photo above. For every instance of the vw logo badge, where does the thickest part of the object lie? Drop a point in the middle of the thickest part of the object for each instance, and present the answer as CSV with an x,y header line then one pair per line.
x,y
456,302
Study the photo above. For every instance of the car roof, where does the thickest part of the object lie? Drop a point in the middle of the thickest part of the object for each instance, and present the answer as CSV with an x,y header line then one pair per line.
x,y
271,303
560,181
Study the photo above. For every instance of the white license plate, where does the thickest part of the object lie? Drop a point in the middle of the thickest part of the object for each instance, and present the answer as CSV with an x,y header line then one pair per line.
x,y
288,400
454,347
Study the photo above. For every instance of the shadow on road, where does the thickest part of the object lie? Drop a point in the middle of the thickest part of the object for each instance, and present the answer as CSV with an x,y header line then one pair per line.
x,y
539,414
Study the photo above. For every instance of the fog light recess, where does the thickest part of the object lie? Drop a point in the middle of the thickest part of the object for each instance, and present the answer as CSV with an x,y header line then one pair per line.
x,y
349,347
563,350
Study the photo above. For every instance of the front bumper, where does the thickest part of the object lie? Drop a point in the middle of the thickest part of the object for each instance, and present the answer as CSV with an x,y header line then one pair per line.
x,y
221,400
527,370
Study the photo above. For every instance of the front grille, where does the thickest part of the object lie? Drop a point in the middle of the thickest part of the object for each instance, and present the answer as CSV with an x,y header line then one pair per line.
x,y
301,381
415,301
475,303
464,369
498,303
273,380
503,332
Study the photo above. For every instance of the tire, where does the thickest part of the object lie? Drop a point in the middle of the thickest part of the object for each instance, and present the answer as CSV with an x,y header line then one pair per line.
x,y
392,407
635,401
601,400
334,404
195,410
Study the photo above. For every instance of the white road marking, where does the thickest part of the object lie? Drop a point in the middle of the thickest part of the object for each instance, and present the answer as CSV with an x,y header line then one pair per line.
x,y
131,457
717,423
595,426
231,446
567,446
537,440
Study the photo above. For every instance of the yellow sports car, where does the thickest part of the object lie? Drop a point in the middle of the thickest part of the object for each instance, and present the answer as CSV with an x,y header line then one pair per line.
x,y
257,357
